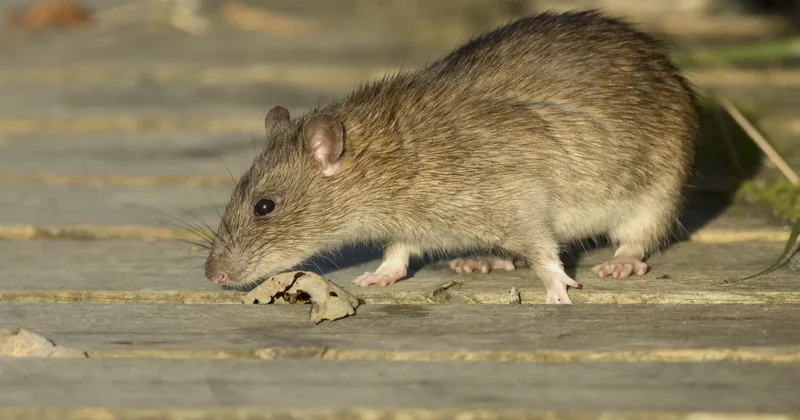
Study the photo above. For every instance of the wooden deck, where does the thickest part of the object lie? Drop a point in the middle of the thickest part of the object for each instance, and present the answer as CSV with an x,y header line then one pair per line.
x,y
99,158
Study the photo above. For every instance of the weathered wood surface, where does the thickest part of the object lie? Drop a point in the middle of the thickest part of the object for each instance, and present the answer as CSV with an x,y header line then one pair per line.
x,y
130,271
263,413
175,100
425,332
132,154
286,384
111,136
75,205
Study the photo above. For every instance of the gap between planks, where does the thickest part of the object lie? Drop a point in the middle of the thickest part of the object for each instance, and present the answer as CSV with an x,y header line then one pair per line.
x,y
77,180
263,413
426,296
21,232
198,124
325,77
750,355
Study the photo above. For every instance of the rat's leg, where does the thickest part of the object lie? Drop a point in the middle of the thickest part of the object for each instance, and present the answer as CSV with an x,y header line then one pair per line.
x,y
540,252
482,263
393,267
645,229
550,270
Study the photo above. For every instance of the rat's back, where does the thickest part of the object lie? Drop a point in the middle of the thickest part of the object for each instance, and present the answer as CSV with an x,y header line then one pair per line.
x,y
578,56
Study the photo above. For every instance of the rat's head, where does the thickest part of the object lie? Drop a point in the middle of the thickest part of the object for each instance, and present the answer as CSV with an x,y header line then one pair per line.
x,y
279,213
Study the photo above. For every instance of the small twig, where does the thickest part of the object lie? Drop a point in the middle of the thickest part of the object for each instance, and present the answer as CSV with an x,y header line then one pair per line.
x,y
759,140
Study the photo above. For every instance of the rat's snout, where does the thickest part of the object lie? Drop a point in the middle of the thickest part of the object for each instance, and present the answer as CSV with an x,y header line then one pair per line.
x,y
214,273
218,277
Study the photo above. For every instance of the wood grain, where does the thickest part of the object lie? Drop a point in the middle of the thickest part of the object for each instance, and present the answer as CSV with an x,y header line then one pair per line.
x,y
532,333
310,384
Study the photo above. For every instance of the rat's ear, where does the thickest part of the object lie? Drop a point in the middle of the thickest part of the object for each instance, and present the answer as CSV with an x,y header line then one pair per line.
x,y
324,139
275,115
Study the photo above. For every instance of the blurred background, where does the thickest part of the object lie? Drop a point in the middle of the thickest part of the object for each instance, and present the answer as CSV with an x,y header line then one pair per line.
x,y
121,111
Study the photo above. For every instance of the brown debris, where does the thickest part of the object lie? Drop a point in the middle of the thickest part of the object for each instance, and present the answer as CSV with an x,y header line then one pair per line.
x,y
44,14
328,300
251,18
23,343
441,294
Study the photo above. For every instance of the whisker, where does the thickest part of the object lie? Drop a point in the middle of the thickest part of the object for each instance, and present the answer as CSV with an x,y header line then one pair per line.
x,y
255,150
216,207
183,224
191,257
233,178
209,232
195,243
202,235
190,270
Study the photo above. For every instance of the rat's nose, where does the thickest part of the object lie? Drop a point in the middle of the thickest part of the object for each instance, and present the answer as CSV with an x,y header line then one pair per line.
x,y
220,277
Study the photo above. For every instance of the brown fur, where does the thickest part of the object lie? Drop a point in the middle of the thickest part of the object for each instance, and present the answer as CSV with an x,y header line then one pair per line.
x,y
553,128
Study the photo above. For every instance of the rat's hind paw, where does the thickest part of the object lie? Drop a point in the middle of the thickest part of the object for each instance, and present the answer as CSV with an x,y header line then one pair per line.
x,y
620,267
381,278
484,264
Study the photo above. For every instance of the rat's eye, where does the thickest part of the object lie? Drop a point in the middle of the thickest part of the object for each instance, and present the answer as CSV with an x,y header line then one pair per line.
x,y
264,207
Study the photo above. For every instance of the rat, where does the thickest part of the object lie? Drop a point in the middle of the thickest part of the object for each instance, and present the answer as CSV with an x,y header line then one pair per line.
x,y
550,129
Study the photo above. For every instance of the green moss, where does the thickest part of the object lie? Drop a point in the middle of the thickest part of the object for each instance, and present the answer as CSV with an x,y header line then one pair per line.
x,y
740,55
782,196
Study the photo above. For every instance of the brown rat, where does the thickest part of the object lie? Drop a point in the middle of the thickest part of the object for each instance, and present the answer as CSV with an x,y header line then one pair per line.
x,y
550,129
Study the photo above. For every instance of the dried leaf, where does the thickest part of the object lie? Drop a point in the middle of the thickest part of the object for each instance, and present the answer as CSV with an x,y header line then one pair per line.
x,y
252,18
23,343
329,301
62,14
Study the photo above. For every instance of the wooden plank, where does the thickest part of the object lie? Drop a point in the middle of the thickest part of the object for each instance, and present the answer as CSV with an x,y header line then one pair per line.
x,y
127,154
290,79
130,271
197,124
153,100
308,384
524,333
326,77
128,124
250,413
77,205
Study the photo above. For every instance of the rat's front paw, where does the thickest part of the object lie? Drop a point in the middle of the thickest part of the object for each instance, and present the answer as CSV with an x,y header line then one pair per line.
x,y
557,291
558,297
484,264
620,268
380,277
